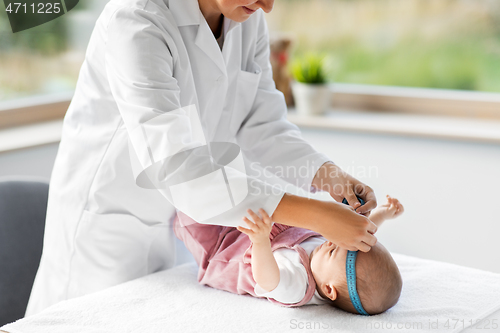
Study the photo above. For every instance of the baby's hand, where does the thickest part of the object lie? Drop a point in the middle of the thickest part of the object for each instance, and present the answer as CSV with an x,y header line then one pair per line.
x,y
259,229
393,208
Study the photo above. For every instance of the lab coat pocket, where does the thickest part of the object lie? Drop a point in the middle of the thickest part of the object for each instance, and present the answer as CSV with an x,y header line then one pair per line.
x,y
109,249
246,90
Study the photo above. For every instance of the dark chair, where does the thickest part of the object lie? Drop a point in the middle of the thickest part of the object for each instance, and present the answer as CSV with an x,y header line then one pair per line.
x,y
23,206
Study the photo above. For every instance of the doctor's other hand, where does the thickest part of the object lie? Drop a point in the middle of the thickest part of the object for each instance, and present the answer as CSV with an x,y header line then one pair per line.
x,y
341,225
340,185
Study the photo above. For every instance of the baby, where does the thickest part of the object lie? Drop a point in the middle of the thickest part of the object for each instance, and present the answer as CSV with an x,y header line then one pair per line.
x,y
292,266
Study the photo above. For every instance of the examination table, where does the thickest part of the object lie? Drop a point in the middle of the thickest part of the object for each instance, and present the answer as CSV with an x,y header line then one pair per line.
x,y
436,297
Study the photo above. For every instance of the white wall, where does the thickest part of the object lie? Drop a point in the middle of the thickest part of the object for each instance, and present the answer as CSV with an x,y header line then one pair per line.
x,y
37,161
449,191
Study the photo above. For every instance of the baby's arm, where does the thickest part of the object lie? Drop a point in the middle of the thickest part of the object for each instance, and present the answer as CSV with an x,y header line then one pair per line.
x,y
390,210
265,270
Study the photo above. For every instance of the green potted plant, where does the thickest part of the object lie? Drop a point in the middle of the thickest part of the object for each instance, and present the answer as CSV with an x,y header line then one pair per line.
x,y
310,86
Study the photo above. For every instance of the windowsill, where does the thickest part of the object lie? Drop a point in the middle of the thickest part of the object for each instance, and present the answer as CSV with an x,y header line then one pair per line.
x,y
386,123
417,101
29,136
391,123
34,109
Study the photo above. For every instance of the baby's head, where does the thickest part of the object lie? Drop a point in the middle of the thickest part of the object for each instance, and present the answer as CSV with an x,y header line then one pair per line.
x,y
378,280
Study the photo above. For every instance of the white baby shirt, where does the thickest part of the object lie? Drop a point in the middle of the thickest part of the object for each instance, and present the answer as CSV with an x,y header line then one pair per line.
x,y
293,276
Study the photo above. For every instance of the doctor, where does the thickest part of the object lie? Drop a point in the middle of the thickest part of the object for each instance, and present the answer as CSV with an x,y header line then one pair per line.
x,y
147,62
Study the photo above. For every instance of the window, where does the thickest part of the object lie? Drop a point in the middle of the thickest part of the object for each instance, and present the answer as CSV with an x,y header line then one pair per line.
x,y
448,44
45,59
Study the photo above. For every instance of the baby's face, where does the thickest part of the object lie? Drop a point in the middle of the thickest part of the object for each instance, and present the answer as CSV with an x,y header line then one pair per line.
x,y
328,263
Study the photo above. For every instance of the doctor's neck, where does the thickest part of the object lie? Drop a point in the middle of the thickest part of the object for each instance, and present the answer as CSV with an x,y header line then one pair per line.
x,y
212,15
236,10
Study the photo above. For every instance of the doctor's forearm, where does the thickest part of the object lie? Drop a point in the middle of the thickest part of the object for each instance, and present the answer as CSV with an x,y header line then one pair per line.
x,y
337,222
295,211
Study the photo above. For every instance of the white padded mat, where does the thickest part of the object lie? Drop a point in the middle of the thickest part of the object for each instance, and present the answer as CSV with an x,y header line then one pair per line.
x,y
436,297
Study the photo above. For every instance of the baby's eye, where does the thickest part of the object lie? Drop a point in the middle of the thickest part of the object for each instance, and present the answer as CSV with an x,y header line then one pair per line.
x,y
331,252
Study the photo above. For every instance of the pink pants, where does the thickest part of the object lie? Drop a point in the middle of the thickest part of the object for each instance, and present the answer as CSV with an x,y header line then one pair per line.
x,y
223,254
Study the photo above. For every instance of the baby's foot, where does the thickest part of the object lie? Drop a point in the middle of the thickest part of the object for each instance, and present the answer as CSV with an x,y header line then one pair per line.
x,y
392,209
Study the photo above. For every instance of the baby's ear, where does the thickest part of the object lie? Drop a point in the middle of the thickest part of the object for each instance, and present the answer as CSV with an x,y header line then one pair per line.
x,y
329,291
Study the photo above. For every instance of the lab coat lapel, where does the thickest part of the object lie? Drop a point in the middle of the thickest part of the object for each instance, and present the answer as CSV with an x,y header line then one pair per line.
x,y
231,51
229,63
205,40
219,68
187,12
205,60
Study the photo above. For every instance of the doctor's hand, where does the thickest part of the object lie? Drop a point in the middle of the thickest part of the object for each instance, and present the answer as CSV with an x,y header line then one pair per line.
x,y
340,185
341,225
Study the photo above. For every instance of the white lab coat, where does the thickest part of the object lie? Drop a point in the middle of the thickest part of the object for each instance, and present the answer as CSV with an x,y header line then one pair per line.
x,y
147,57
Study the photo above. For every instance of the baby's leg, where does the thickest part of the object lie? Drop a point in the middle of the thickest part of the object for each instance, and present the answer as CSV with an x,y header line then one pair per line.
x,y
390,210
200,239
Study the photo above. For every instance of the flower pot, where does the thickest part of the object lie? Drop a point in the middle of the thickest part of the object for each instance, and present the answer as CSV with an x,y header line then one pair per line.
x,y
311,99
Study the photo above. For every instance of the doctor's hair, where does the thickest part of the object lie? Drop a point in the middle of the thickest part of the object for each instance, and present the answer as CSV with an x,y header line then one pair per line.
x,y
378,282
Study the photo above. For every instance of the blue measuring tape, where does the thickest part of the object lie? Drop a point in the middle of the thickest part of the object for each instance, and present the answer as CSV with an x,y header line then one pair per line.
x,y
361,201
350,270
